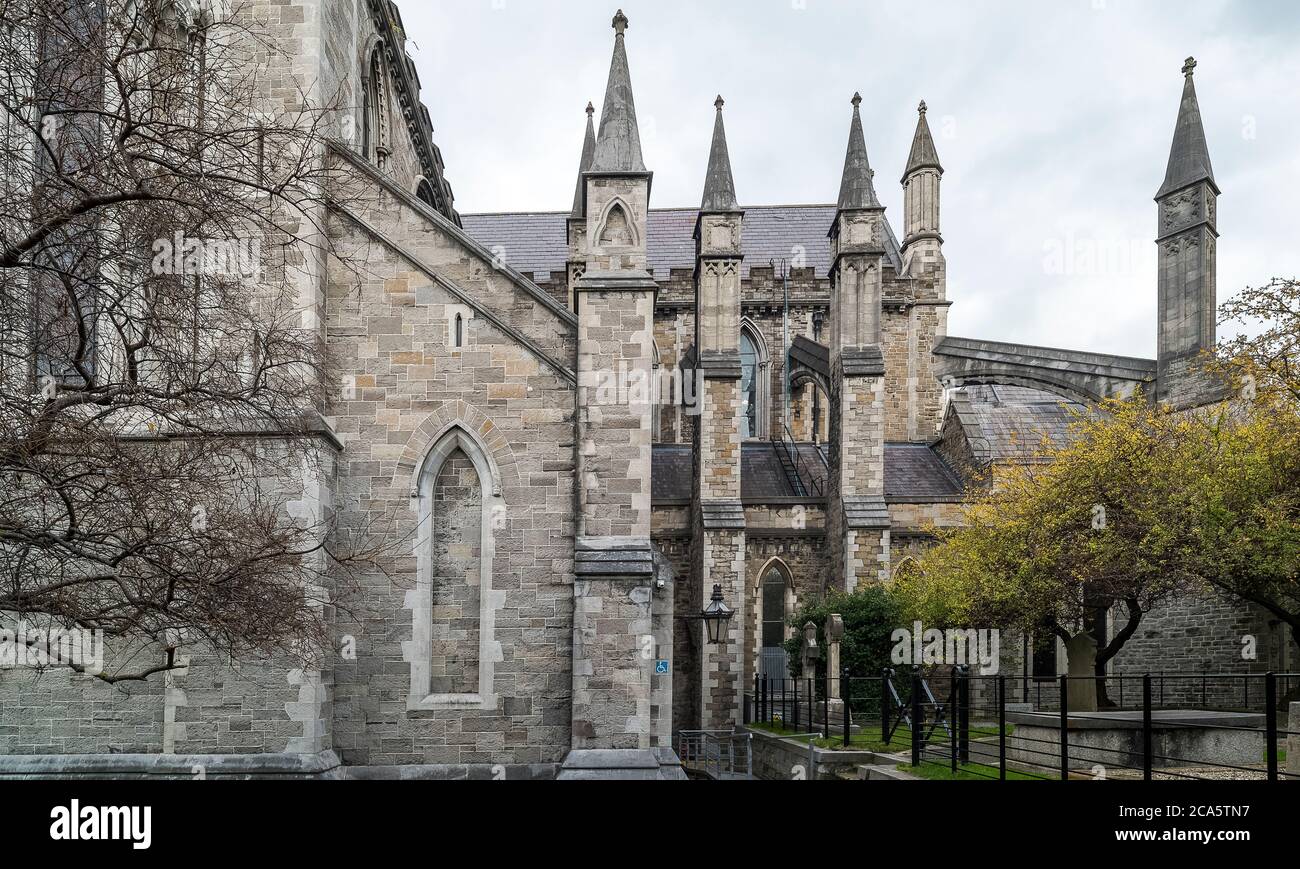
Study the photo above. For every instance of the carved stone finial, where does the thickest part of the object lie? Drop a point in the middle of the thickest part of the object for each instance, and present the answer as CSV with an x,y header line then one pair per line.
x,y
719,103
857,99
620,22
591,110
1189,66
921,107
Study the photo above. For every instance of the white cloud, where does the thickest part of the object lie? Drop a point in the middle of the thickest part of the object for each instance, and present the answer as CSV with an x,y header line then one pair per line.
x,y
1059,117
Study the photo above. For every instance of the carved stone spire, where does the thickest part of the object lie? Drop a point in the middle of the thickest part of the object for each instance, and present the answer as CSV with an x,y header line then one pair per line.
x,y
923,154
1189,155
618,147
584,165
856,187
719,187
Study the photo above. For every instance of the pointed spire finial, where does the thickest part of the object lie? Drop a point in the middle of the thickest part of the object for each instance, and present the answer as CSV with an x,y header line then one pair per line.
x,y
719,187
618,147
923,154
584,165
1189,155
856,189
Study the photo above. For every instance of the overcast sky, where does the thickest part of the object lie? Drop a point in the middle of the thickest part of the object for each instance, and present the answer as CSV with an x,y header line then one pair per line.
x,y
1052,119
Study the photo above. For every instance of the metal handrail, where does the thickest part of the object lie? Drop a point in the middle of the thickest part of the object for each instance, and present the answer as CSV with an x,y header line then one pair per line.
x,y
795,456
705,750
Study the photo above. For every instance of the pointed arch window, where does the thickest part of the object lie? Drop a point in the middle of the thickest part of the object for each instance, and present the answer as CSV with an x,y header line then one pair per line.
x,y
774,605
775,612
453,649
425,193
656,394
374,110
754,383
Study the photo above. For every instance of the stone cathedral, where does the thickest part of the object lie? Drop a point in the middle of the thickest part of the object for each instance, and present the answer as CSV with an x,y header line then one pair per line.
x,y
587,419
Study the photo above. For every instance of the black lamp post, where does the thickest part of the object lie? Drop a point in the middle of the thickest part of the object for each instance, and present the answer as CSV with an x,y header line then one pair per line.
x,y
716,615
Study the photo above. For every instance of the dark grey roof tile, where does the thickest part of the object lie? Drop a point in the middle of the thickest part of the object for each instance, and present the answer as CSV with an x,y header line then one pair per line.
x,y
536,241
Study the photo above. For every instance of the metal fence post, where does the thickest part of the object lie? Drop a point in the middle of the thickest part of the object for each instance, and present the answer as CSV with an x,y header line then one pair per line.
x,y
953,725
1065,729
1270,718
826,705
812,692
844,689
1146,727
918,729
795,704
884,705
963,700
1002,728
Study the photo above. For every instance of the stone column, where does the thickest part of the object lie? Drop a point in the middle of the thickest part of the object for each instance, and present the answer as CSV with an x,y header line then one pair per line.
x,y
857,523
614,648
614,644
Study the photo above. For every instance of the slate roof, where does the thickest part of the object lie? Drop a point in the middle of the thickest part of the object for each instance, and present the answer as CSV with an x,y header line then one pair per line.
x,y
1015,422
535,241
912,471
915,471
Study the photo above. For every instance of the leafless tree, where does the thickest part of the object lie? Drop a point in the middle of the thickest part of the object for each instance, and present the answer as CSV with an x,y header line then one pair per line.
x,y
161,361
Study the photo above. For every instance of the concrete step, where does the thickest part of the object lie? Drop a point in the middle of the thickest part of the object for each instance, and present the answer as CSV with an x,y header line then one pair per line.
x,y
882,772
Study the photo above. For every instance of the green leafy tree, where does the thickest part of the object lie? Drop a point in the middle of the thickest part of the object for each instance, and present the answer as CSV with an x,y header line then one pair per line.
x,y
1099,523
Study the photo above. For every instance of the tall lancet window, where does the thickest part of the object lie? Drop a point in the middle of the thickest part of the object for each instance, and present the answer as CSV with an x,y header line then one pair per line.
x,y
374,111
753,383
456,533
748,387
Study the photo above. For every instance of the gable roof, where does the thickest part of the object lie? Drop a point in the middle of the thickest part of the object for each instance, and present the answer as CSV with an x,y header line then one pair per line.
x,y
536,241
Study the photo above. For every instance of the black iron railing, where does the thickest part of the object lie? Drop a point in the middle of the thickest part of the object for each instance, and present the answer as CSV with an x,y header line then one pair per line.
x,y
990,726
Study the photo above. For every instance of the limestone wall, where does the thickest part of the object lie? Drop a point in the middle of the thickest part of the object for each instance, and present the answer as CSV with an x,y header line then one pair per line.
x,y
403,387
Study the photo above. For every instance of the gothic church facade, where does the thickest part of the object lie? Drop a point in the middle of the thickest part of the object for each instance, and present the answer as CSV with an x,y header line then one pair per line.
x,y
555,538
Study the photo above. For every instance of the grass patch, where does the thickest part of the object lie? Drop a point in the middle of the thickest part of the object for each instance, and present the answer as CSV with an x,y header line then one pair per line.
x,y
965,772
869,738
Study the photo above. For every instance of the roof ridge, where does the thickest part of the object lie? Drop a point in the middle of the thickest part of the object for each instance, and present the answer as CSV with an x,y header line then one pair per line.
x,y
691,208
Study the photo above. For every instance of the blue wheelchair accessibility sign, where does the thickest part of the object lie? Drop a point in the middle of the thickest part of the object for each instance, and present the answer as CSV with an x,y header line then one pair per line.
x,y
661,668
